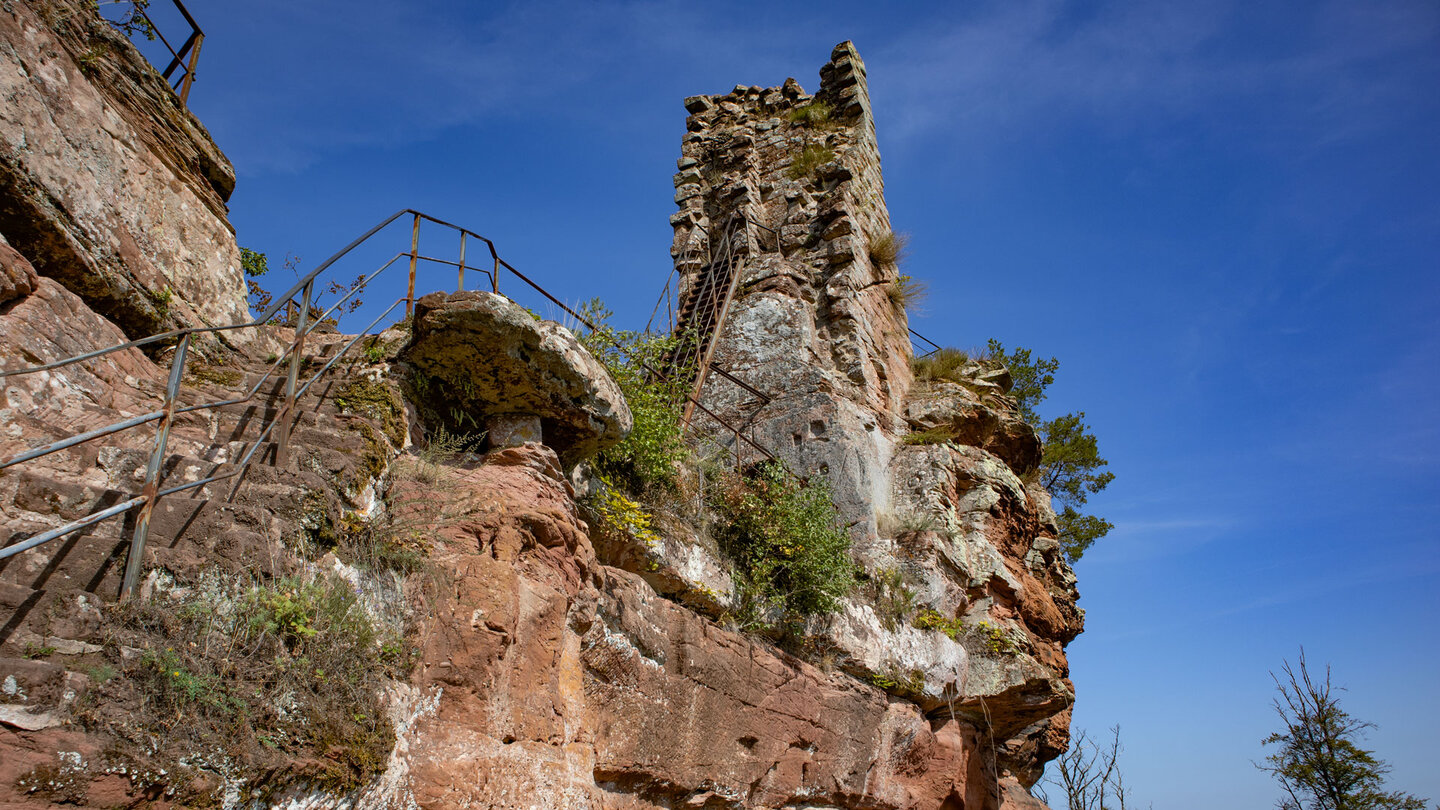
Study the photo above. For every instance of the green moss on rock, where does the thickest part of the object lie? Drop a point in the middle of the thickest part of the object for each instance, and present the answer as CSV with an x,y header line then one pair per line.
x,y
378,401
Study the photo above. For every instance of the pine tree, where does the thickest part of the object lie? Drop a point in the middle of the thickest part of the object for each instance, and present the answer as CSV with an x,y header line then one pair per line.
x,y
1071,467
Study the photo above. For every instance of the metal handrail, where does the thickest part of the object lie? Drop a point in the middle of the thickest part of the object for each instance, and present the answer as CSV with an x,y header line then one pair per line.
x,y
935,346
184,59
305,325
308,321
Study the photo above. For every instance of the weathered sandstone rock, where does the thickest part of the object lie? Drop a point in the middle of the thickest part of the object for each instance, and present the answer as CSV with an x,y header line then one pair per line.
x,y
107,183
970,419
17,277
487,356
562,683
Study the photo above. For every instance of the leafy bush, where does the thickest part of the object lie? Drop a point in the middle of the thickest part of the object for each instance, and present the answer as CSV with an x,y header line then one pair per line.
x,y
649,459
808,159
791,555
623,516
931,619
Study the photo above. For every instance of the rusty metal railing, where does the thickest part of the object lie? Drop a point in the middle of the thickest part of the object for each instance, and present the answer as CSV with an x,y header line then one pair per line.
x,y
934,347
309,317
183,59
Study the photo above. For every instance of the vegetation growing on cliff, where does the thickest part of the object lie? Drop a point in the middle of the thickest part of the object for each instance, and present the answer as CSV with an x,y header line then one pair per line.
x,y
255,264
1071,468
251,677
808,159
792,556
816,114
649,459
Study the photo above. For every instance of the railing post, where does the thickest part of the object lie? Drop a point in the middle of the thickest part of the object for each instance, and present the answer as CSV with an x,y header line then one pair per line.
x,y
495,276
190,70
152,472
414,256
460,287
297,349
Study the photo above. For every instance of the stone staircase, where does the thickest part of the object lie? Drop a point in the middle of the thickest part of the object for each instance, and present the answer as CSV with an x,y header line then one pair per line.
x,y
254,522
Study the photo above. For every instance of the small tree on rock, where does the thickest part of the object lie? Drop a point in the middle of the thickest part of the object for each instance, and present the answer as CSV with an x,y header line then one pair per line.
x,y
1071,467
1319,762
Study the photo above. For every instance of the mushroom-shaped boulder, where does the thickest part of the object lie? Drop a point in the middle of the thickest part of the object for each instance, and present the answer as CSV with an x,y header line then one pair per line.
x,y
484,356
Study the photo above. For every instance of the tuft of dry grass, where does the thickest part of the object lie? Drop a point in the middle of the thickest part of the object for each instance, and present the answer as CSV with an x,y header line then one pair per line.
x,y
947,363
810,158
889,248
906,292
935,435
816,114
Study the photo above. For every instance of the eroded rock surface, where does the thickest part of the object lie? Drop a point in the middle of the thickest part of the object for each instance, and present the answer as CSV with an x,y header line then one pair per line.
x,y
107,183
564,683
485,356
968,606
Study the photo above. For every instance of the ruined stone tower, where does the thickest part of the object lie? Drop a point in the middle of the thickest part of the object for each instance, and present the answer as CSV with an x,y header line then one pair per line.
x,y
792,299
789,184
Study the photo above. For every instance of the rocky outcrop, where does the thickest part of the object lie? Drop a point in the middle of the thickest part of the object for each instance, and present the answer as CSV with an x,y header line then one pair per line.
x,y
532,662
17,277
484,361
107,183
968,606
553,681
813,326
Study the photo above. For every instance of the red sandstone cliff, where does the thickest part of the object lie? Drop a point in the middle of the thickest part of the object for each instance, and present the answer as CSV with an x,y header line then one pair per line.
x,y
490,650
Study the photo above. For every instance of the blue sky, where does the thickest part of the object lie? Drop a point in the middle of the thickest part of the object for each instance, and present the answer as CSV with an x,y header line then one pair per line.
x,y
1222,218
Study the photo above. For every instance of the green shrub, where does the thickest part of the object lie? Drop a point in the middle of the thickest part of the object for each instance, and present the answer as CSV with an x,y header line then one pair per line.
x,y
1071,467
931,619
791,555
649,459
623,516
808,159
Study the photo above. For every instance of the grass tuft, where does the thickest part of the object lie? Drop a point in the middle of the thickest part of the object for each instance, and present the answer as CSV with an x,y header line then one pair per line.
x,y
889,248
906,292
808,159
